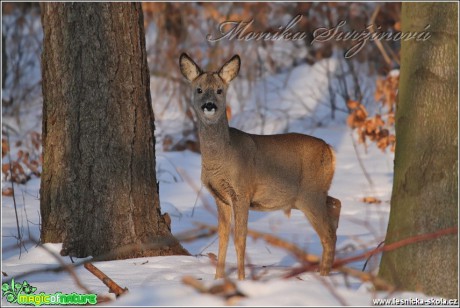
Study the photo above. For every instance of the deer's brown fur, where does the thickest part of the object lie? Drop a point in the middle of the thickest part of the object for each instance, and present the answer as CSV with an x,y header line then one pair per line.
x,y
258,172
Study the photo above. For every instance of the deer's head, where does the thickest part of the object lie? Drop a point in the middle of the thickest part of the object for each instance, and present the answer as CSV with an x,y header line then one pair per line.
x,y
209,88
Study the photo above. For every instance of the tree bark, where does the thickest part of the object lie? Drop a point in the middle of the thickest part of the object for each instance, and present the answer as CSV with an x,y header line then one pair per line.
x,y
98,190
425,188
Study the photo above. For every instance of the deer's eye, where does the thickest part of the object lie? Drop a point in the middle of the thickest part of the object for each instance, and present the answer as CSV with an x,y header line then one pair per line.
x,y
199,91
219,91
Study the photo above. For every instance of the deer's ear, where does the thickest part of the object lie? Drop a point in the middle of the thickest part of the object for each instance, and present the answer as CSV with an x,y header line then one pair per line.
x,y
189,69
230,70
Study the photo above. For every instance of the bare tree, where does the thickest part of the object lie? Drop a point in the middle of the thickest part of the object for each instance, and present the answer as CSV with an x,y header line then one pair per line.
x,y
425,189
99,194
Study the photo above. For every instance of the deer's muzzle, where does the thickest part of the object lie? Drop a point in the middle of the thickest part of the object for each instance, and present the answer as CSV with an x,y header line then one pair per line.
x,y
209,108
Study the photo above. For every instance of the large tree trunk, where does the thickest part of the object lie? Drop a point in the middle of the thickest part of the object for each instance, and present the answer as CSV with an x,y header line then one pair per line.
x,y
98,190
424,198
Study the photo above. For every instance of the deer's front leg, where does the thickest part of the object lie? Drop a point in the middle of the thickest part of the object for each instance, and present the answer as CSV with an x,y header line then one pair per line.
x,y
241,212
224,212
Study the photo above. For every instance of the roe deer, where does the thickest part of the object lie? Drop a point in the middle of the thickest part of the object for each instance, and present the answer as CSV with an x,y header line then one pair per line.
x,y
254,172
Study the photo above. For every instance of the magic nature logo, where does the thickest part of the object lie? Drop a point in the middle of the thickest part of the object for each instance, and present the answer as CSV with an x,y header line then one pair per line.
x,y
24,294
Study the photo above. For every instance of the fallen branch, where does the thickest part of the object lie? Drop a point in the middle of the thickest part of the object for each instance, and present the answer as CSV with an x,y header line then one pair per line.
x,y
311,262
367,277
398,244
112,285
275,241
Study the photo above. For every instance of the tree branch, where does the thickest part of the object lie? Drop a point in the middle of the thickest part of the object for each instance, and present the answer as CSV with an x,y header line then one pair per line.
x,y
112,285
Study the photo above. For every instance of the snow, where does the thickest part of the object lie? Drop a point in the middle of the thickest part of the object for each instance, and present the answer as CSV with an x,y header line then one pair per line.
x,y
290,101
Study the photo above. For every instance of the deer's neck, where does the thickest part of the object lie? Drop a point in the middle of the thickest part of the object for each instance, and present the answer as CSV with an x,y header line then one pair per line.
x,y
214,139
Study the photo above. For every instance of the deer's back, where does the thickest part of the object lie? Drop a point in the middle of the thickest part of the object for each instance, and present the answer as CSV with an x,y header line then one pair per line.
x,y
283,167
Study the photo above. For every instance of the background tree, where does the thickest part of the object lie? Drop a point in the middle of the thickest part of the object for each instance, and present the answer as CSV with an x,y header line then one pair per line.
x,y
425,188
98,188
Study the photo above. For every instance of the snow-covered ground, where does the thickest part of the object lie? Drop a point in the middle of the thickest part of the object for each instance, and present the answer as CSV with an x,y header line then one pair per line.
x,y
300,100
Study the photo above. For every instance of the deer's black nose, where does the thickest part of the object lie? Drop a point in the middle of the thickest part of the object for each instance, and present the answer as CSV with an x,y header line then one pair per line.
x,y
209,106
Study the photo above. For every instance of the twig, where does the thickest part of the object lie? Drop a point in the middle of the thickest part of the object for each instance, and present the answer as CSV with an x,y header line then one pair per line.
x,y
207,246
112,285
187,179
367,260
378,283
27,218
332,290
196,201
378,42
368,178
68,268
12,188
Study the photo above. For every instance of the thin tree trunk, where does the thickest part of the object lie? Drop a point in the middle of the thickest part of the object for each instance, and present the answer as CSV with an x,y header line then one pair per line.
x,y
98,189
4,61
425,189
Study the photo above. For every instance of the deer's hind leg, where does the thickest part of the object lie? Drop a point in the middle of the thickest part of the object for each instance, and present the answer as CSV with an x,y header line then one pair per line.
x,y
320,212
333,207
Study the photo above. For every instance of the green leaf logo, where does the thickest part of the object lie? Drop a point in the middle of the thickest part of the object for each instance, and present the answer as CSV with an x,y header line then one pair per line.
x,y
13,290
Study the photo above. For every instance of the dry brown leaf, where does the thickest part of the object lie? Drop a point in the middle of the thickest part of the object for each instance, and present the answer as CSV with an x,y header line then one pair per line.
x,y
8,192
378,95
5,147
20,155
361,136
6,168
351,104
371,200
383,143
391,118
370,125
226,288
36,139
228,111
194,283
361,113
33,165
384,133
212,257
167,143
351,120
